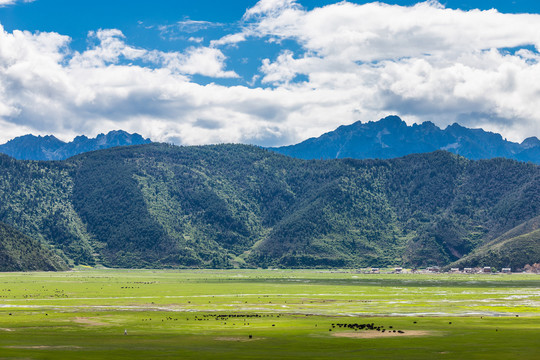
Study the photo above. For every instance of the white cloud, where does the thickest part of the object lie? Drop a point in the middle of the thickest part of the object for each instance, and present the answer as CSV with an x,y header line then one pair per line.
x,y
188,26
184,29
12,2
423,62
112,49
270,8
283,70
196,39
202,60
229,39
46,87
360,62
376,31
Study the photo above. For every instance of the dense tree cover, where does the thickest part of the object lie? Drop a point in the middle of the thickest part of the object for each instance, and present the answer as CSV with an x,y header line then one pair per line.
x,y
35,197
456,205
21,253
221,206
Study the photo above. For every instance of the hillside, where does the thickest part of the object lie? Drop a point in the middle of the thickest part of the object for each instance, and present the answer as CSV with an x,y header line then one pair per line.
x,y
391,137
511,249
221,206
30,147
21,253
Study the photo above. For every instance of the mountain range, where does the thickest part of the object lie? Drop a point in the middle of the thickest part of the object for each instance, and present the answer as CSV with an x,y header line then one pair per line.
x,y
391,137
221,206
30,147
387,138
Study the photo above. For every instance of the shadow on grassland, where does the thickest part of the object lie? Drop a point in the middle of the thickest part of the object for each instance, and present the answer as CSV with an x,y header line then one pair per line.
x,y
381,282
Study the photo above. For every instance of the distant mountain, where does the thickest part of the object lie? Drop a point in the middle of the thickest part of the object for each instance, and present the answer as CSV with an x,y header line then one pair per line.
x,y
159,205
30,147
391,137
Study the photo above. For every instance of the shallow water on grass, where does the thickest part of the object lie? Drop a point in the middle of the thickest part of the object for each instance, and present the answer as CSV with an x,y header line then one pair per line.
x,y
84,314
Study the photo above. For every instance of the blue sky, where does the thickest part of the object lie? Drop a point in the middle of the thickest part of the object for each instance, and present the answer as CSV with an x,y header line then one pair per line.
x,y
140,21
271,72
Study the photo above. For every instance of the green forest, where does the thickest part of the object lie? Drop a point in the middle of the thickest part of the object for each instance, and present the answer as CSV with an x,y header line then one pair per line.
x,y
225,206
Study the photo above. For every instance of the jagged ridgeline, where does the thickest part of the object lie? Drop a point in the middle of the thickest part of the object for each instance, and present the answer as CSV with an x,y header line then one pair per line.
x,y
391,137
221,206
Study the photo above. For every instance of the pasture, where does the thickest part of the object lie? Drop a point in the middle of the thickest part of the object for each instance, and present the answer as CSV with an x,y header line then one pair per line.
x,y
267,314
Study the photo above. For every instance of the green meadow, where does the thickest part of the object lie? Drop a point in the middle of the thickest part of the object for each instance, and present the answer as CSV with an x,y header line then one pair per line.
x,y
267,314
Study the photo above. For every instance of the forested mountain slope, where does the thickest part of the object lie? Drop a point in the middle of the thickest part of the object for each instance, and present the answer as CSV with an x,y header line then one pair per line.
x,y
21,253
159,205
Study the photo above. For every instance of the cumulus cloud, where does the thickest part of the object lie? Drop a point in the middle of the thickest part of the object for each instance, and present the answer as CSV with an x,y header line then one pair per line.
x,y
377,31
202,60
46,87
424,62
112,49
352,62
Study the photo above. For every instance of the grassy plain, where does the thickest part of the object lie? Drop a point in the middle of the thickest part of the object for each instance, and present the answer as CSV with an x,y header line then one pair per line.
x,y
290,314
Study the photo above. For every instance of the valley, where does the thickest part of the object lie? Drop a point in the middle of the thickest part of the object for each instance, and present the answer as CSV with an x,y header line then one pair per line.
x,y
246,314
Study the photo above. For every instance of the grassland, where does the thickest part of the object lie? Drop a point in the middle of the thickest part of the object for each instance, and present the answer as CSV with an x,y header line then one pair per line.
x,y
267,314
